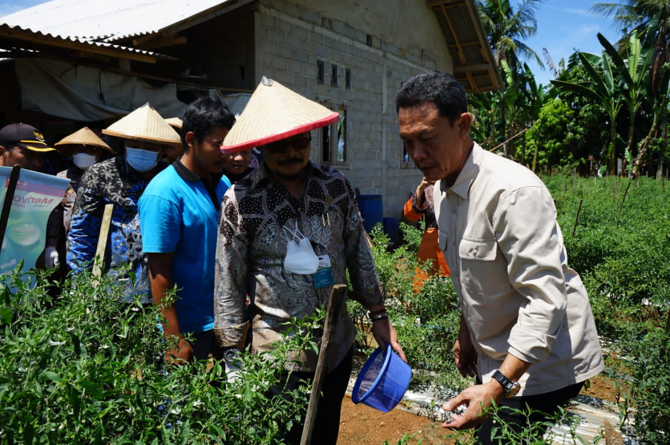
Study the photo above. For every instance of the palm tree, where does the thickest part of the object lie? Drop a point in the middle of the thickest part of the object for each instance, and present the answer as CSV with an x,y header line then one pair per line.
x,y
638,15
603,89
633,73
507,28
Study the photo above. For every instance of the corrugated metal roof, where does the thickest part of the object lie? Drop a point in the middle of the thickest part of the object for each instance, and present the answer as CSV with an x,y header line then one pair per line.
x,y
108,20
13,37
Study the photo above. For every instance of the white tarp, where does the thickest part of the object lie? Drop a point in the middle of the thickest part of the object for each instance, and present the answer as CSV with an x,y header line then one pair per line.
x,y
89,94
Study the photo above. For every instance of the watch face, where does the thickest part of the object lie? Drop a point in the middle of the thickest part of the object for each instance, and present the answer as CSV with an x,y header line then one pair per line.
x,y
514,390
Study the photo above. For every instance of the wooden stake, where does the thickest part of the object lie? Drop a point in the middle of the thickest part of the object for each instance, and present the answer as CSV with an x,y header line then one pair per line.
x,y
334,305
574,227
102,241
622,201
9,199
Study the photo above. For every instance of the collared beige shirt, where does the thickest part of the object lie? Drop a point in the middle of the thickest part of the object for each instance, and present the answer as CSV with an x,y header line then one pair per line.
x,y
505,250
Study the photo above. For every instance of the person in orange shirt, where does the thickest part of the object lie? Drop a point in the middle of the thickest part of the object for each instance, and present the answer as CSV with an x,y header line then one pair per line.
x,y
419,205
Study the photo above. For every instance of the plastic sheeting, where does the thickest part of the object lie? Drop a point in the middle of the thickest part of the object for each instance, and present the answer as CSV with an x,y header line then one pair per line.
x,y
89,94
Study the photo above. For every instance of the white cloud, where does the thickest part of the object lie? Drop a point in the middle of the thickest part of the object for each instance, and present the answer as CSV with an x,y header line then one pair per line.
x,y
578,11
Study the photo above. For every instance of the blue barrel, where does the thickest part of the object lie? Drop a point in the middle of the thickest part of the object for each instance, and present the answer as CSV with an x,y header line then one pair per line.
x,y
371,209
391,226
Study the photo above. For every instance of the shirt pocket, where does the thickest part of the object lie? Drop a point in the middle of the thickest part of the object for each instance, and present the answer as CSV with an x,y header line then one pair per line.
x,y
482,274
477,250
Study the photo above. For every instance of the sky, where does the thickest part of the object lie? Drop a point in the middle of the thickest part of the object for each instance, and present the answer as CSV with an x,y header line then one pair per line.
x,y
566,25
562,26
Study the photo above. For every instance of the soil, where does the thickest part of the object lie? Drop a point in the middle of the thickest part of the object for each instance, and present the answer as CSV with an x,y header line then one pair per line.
x,y
605,388
362,425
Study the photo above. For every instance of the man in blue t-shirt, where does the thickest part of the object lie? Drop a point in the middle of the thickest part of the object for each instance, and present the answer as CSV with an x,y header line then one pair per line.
x,y
179,214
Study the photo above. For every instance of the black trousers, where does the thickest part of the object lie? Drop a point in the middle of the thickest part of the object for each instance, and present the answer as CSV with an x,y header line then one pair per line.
x,y
548,403
327,424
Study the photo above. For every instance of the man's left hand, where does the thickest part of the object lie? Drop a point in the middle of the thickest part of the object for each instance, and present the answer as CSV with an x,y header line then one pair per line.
x,y
474,398
385,334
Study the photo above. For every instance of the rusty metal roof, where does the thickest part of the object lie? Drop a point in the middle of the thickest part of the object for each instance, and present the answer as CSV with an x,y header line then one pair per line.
x,y
16,40
473,59
110,20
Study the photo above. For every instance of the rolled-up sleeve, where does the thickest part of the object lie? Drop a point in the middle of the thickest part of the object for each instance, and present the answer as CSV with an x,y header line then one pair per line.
x,y
529,238
360,262
231,275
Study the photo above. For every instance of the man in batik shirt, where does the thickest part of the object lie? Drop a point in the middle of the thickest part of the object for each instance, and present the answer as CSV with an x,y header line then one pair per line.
x,y
120,181
286,200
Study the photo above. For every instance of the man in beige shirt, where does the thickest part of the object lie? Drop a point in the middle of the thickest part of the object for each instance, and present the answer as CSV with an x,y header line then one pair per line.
x,y
527,329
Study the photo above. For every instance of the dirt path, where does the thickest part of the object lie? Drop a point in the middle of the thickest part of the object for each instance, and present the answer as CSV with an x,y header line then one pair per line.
x,y
362,425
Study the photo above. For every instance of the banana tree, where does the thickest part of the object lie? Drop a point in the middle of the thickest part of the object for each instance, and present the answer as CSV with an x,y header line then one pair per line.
x,y
634,74
604,89
660,106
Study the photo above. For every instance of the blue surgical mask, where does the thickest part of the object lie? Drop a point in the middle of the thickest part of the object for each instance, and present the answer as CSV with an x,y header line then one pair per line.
x,y
141,160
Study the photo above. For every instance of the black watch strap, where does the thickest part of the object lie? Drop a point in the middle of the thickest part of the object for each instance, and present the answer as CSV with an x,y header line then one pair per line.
x,y
509,387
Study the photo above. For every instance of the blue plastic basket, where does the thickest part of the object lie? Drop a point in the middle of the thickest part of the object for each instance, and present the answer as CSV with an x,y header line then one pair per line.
x,y
382,381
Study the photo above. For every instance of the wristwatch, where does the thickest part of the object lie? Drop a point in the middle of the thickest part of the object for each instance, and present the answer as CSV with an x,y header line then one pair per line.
x,y
511,388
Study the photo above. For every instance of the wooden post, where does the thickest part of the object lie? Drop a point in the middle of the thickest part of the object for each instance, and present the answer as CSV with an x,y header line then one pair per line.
x,y
574,227
335,304
622,201
102,240
7,205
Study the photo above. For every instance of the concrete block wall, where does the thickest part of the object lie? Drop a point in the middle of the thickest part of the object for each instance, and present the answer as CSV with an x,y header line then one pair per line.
x,y
289,41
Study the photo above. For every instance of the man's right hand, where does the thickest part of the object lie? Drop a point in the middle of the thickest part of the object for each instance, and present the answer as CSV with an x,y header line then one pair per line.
x,y
180,355
465,355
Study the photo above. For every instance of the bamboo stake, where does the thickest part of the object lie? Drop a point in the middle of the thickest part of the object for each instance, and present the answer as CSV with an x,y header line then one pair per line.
x,y
622,201
102,241
579,210
332,314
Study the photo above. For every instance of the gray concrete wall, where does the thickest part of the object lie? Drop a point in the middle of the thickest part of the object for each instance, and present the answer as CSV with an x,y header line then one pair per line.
x,y
292,35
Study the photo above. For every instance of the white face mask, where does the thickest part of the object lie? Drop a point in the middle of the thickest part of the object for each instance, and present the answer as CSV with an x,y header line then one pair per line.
x,y
300,258
83,160
141,160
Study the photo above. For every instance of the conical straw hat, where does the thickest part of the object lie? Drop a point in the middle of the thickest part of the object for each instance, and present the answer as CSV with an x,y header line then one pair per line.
x,y
144,124
274,112
83,136
175,122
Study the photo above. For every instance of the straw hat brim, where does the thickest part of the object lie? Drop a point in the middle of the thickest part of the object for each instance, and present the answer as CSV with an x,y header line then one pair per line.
x,y
141,138
175,122
145,125
83,136
334,117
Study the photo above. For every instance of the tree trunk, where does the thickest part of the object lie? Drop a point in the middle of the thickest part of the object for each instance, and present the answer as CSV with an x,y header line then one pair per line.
x,y
664,136
611,155
629,145
644,146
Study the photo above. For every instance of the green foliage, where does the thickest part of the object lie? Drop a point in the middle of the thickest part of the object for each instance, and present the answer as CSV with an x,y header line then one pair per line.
x,y
651,386
426,321
626,272
87,368
547,136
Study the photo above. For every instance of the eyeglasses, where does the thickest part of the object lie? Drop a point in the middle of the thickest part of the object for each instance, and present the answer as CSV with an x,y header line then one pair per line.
x,y
280,146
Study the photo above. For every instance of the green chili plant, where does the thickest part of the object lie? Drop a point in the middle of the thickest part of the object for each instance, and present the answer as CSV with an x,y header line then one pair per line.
x,y
87,368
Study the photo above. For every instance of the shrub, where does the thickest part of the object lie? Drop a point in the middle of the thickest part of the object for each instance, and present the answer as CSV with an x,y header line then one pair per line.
x,y
87,368
426,320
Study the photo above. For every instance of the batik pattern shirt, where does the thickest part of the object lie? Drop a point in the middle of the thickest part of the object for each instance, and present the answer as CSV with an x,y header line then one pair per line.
x,y
59,219
111,182
257,217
